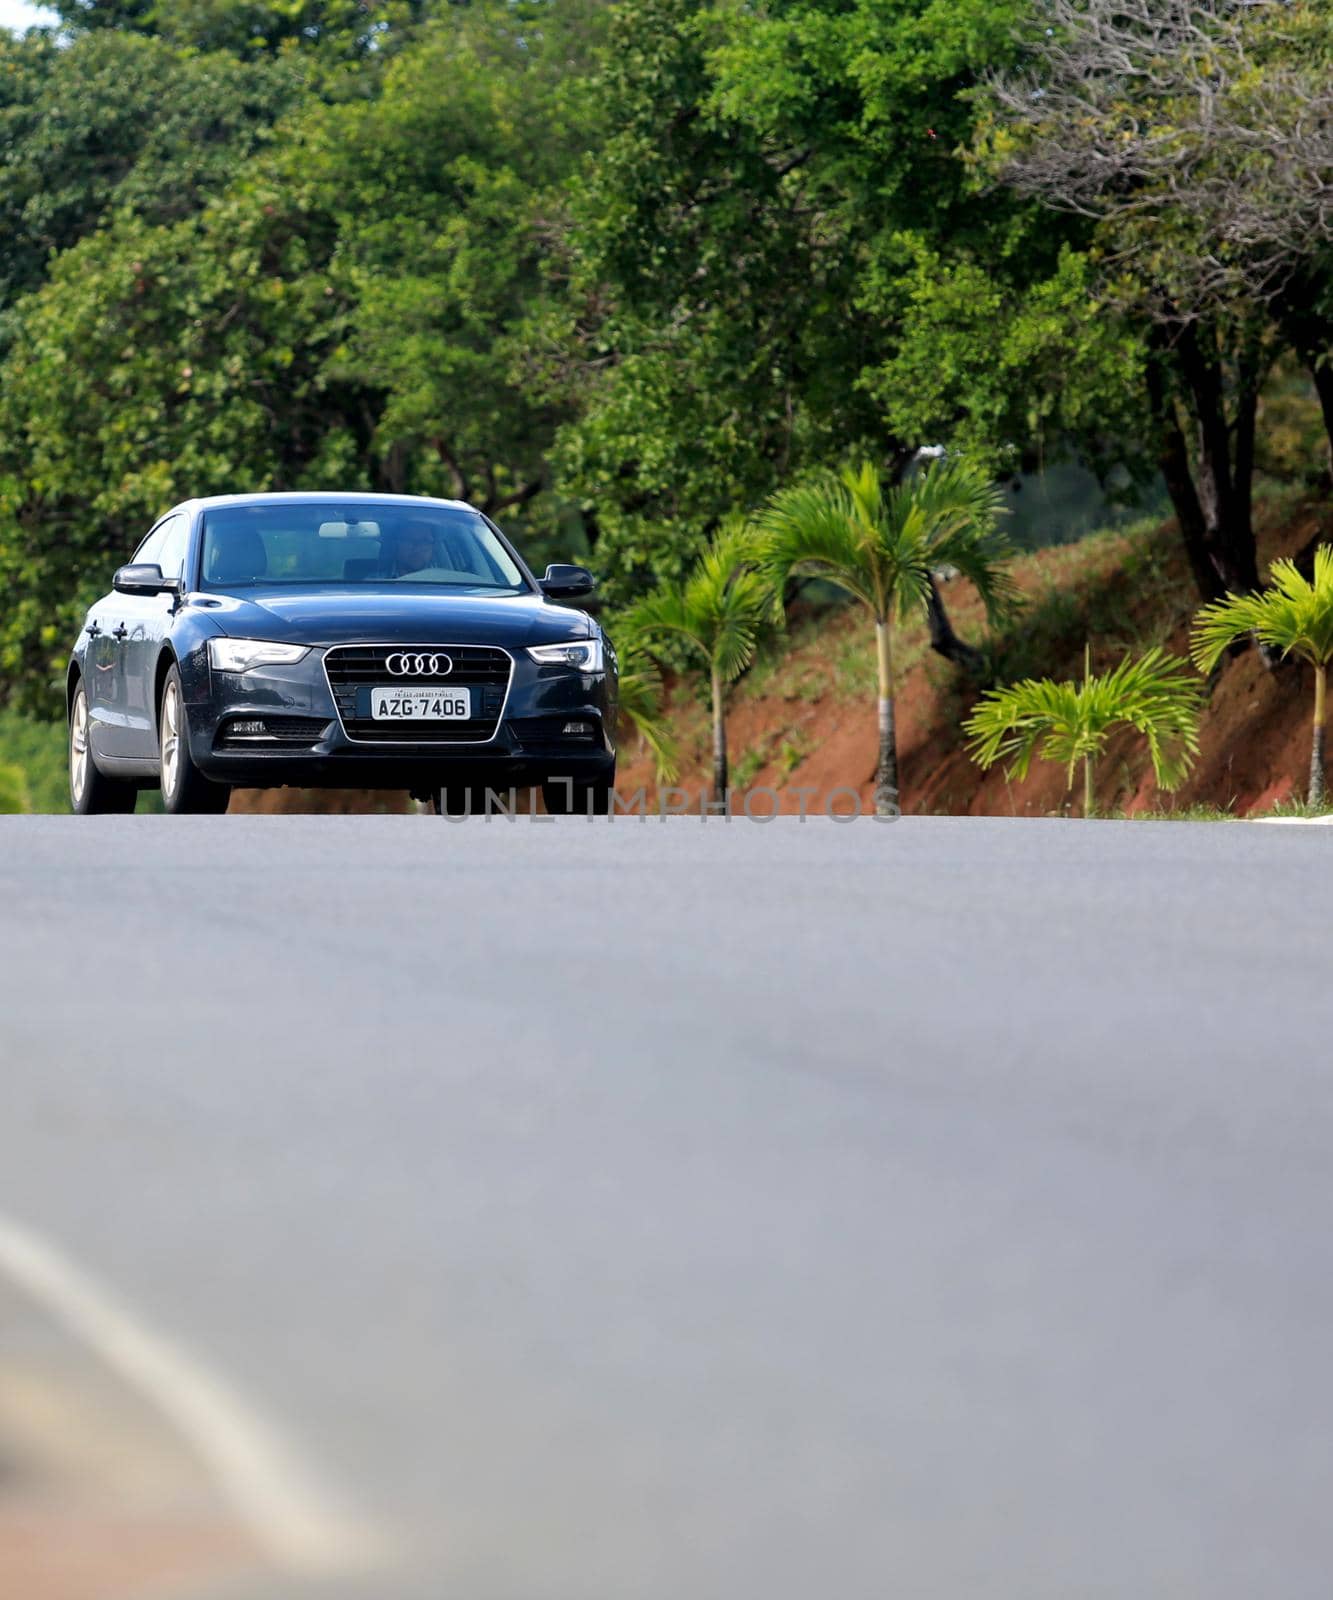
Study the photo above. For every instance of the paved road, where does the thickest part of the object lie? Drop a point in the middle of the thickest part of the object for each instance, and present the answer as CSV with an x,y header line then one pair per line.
x,y
683,1211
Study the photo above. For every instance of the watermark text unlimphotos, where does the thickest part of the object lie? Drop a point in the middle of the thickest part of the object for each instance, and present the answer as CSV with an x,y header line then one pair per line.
x,y
760,804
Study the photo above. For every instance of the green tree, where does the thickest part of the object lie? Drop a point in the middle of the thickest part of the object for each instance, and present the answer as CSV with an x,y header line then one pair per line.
x,y
641,706
112,123
1012,359
1295,617
345,312
704,313
716,614
883,548
343,29
1191,142
1071,722
154,364
441,206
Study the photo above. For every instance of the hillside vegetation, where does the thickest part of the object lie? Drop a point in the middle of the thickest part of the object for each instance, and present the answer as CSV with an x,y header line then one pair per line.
x,y
625,274
803,717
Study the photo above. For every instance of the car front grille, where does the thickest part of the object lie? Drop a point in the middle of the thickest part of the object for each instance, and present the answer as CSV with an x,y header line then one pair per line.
x,y
485,669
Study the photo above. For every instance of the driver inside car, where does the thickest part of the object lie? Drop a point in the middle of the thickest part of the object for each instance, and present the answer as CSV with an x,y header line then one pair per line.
x,y
412,550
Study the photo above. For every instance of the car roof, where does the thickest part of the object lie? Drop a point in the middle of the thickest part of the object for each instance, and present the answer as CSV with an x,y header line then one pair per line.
x,y
318,497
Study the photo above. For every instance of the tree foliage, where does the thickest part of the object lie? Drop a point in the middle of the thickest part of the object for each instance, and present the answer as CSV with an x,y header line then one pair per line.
x,y
1070,723
618,272
716,614
342,29
114,123
1194,138
1294,616
884,549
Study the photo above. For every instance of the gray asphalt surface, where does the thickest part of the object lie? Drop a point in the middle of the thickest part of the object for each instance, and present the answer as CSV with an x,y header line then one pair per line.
x,y
703,1212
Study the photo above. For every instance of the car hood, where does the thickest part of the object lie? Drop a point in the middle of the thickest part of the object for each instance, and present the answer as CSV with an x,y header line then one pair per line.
x,y
392,616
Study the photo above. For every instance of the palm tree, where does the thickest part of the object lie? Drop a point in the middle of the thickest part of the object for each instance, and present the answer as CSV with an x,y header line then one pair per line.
x,y
641,707
1071,722
716,613
884,549
1294,617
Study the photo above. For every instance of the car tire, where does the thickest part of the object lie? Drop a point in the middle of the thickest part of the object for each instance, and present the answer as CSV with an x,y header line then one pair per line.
x,y
185,790
92,793
563,798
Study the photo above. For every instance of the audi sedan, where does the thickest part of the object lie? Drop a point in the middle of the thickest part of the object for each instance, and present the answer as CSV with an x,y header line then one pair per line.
x,y
367,641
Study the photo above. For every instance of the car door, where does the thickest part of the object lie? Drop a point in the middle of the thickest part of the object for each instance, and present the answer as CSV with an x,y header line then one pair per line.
x,y
147,618
120,618
99,676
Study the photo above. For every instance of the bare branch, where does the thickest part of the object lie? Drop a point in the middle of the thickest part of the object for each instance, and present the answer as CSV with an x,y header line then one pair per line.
x,y
1194,131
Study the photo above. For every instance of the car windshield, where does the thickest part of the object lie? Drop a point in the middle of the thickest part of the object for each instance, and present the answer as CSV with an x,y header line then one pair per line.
x,y
290,543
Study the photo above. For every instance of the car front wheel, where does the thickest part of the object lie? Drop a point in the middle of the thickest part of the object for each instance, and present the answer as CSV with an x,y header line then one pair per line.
x,y
184,788
92,793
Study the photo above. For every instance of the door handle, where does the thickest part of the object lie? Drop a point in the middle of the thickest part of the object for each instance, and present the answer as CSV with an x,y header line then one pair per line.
x,y
120,632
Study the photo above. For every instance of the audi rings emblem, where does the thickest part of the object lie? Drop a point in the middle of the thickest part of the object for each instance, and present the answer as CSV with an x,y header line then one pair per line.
x,y
418,664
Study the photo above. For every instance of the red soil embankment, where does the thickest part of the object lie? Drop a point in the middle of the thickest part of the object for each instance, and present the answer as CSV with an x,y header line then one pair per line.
x,y
808,721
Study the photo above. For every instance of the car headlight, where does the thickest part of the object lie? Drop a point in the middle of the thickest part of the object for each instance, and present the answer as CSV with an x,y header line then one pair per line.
x,y
583,655
239,655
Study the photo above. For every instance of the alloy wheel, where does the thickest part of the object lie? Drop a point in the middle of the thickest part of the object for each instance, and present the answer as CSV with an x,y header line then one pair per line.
x,y
78,746
171,744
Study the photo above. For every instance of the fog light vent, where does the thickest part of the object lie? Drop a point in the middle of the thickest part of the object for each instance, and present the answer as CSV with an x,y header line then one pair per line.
x,y
580,730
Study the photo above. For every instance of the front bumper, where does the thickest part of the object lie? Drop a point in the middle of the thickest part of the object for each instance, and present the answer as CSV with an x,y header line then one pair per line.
x,y
306,742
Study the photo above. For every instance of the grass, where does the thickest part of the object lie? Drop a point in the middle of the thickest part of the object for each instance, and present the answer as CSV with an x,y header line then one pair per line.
x,y
1295,808
13,790
1207,813
1191,813
748,767
1120,589
791,753
37,751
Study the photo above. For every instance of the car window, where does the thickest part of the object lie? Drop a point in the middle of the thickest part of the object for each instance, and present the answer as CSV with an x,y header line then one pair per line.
x,y
151,548
175,532
325,543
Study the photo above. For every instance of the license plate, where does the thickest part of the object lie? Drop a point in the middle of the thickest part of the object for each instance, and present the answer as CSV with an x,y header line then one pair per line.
x,y
420,705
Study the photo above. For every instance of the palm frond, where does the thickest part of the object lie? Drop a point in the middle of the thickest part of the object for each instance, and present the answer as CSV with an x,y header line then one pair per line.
x,y
641,706
813,530
720,608
1294,615
982,555
744,604
865,492
1010,724
1156,695
962,505
951,495
1069,722
884,547
664,611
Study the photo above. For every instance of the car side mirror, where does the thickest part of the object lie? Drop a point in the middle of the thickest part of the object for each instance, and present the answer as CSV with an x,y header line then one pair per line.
x,y
565,582
143,577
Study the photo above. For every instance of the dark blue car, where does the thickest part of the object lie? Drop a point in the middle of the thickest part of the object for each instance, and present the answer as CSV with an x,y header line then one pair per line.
x,y
376,641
